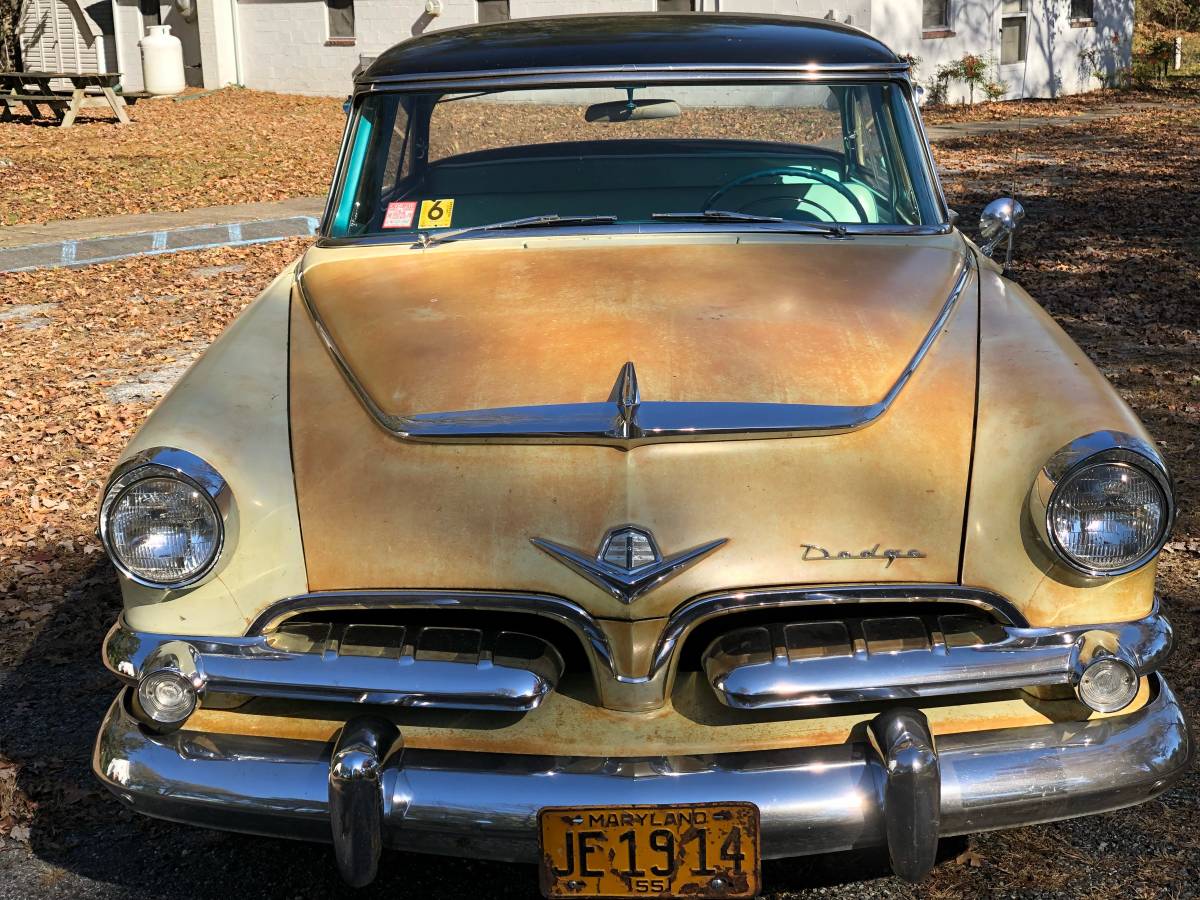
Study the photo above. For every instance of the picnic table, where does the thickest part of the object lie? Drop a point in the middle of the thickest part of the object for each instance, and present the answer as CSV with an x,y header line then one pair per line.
x,y
89,90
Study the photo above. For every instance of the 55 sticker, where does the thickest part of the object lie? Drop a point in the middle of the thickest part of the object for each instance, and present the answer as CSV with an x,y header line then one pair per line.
x,y
436,213
400,215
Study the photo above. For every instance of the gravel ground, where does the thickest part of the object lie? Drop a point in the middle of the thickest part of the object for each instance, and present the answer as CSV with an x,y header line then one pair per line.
x,y
1110,250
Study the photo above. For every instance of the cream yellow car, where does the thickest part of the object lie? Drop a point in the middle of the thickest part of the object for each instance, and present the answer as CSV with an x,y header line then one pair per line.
x,y
641,476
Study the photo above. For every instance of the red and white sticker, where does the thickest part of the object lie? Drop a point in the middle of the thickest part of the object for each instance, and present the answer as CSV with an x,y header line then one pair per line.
x,y
400,215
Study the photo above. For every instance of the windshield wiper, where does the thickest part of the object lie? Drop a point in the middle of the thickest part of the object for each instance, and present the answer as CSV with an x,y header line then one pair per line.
x,y
527,222
726,215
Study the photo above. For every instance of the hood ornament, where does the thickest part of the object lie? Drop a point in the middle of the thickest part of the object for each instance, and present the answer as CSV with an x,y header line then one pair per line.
x,y
628,563
626,396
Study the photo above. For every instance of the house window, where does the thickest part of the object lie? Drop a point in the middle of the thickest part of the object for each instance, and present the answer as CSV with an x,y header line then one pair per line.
x,y
340,15
492,11
1012,39
935,15
1083,9
677,5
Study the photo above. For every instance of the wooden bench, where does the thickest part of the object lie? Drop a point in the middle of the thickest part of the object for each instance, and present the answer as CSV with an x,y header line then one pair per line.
x,y
89,90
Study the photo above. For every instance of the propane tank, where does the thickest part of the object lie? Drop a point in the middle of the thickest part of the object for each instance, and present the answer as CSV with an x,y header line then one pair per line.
x,y
162,61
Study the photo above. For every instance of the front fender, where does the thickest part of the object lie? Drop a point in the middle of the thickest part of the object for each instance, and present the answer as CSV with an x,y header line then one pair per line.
x,y
1037,392
231,409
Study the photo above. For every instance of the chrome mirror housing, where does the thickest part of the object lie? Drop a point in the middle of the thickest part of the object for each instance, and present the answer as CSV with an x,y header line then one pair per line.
x,y
999,221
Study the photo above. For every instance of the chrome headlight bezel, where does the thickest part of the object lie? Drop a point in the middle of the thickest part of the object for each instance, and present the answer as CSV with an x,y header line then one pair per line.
x,y
190,470
1113,447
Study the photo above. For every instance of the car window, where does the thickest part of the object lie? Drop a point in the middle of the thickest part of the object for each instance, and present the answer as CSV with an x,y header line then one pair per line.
x,y
836,153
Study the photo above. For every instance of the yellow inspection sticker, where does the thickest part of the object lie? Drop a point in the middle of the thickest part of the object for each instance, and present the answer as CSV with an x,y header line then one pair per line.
x,y
436,213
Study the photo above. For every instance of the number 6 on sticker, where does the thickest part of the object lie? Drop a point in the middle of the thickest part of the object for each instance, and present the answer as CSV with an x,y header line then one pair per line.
x,y
436,213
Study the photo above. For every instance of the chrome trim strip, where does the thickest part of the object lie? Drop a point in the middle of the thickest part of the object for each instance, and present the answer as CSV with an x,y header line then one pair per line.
x,y
1097,447
603,424
813,800
1020,658
183,466
646,74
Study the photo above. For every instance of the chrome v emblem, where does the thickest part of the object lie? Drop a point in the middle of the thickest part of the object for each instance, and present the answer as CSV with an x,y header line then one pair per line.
x,y
628,563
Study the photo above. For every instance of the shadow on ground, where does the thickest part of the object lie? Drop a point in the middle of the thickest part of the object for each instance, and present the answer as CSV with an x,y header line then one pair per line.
x,y
53,701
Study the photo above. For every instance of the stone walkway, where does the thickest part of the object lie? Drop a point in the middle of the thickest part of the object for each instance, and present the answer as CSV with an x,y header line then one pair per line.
x,y
86,241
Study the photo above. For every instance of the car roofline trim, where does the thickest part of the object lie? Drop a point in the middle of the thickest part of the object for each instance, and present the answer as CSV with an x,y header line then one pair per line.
x,y
653,72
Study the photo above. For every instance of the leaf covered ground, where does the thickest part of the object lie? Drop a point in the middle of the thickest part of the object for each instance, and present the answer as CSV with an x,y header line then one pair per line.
x,y
229,146
1110,249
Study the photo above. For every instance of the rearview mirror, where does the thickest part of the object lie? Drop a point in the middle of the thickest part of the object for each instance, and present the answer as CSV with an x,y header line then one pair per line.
x,y
632,110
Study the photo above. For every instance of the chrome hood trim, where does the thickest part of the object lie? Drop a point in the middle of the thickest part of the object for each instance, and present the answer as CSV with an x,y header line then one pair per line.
x,y
626,421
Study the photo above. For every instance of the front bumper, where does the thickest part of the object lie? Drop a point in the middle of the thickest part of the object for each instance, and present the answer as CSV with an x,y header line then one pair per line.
x,y
813,800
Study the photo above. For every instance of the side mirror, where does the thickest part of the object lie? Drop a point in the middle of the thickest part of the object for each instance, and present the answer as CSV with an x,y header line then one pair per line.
x,y
1000,221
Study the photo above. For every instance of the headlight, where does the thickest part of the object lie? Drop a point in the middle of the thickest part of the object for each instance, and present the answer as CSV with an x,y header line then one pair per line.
x,y
1104,511
162,519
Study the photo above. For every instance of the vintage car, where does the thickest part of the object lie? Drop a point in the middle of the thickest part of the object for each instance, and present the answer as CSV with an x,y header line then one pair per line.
x,y
641,476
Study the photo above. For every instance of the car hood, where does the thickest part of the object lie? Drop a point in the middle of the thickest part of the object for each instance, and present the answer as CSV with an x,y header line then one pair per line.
x,y
487,325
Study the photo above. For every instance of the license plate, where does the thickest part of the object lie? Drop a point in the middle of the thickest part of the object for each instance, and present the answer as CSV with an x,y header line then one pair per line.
x,y
695,850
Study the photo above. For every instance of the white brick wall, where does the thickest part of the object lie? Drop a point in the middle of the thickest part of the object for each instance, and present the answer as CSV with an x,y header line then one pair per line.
x,y
283,41
1053,45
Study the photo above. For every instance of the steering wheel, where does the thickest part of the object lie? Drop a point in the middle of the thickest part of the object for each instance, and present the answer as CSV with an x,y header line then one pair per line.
x,y
811,174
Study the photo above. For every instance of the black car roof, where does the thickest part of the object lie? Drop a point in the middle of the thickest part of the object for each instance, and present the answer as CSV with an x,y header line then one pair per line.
x,y
683,39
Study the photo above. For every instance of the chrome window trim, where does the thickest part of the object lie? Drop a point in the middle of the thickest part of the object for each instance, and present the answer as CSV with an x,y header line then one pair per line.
x,y
1090,449
601,423
182,466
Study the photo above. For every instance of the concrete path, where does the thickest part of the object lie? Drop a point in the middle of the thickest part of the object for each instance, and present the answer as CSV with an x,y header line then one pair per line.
x,y
1026,123
80,242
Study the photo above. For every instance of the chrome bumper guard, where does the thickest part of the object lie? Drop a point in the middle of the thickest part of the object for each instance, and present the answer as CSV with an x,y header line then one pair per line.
x,y
899,789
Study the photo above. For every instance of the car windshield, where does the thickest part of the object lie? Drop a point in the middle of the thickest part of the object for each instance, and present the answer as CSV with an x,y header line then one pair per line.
x,y
719,155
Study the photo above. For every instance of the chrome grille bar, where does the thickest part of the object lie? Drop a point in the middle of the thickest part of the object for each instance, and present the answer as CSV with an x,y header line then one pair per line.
x,y
870,659
448,668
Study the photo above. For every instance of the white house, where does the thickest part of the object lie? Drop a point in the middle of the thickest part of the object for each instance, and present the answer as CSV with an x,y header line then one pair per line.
x,y
1036,48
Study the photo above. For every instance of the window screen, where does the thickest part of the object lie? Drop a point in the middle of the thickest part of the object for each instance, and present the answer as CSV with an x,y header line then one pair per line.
x,y
341,18
492,11
935,14
1083,9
